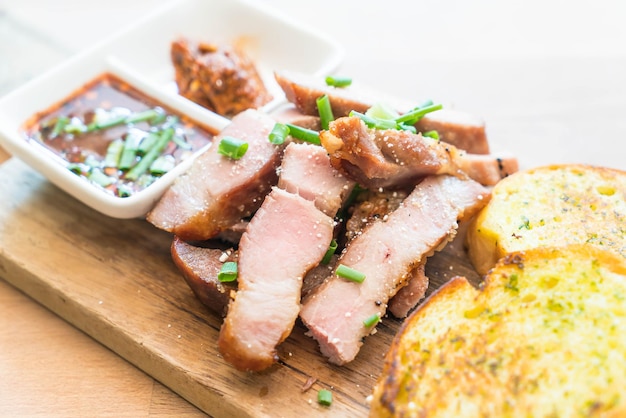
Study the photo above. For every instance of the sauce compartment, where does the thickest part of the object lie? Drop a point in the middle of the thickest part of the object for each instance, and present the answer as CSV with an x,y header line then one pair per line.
x,y
115,136
26,124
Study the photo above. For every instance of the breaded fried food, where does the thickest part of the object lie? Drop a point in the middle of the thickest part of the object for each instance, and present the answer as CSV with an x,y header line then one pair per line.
x,y
544,336
550,206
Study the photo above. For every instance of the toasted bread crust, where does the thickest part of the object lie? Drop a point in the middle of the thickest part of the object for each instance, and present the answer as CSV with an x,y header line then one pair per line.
x,y
550,206
545,335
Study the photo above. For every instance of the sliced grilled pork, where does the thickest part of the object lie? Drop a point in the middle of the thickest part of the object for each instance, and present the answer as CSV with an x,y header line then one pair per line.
x,y
460,129
289,113
217,192
285,239
395,158
386,252
411,294
488,169
306,171
374,205
382,158
200,267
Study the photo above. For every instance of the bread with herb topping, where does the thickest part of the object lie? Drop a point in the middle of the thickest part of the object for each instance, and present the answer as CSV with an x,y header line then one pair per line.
x,y
550,206
545,335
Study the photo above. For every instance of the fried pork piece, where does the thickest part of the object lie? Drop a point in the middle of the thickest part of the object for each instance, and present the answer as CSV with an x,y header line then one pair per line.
x,y
217,192
286,238
386,252
460,129
200,267
218,77
396,158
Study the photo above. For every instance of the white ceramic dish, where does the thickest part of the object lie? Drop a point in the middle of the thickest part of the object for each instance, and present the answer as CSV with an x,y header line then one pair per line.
x,y
140,56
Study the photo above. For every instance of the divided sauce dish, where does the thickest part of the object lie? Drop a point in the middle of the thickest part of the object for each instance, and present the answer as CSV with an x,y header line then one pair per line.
x,y
140,58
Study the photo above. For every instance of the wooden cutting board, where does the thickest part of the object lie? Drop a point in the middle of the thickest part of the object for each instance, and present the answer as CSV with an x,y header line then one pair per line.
x,y
114,280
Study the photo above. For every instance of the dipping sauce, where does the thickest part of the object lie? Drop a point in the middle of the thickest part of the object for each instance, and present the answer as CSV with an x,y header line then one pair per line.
x,y
115,136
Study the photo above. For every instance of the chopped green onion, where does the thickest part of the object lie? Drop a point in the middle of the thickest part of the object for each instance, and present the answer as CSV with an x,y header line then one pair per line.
x,y
75,168
75,126
405,127
129,154
324,397
382,111
325,111
349,273
147,143
431,134
59,126
375,123
97,176
123,190
228,272
149,115
109,123
278,134
372,320
338,81
154,152
114,151
162,165
170,121
330,252
105,119
232,147
303,134
92,161
180,142
411,117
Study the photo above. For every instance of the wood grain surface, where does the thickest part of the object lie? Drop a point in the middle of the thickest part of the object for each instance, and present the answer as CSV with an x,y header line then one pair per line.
x,y
115,281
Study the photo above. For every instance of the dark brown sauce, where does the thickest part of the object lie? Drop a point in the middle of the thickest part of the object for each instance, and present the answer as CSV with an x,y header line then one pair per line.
x,y
84,150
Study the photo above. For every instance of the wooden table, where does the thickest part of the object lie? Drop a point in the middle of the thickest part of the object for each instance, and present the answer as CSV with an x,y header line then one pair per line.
x,y
549,90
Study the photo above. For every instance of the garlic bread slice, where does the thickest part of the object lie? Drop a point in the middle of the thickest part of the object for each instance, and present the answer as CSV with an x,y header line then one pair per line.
x,y
550,206
544,336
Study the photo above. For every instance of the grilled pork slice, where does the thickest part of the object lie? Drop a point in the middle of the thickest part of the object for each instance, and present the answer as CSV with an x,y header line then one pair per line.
x,y
285,239
411,294
217,192
396,158
289,113
373,205
386,252
200,267
306,171
488,169
460,129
